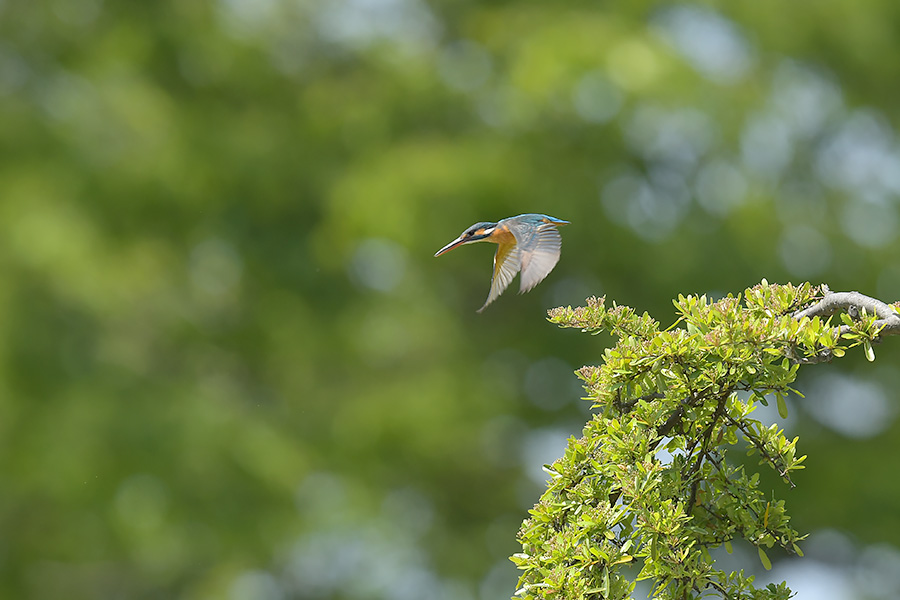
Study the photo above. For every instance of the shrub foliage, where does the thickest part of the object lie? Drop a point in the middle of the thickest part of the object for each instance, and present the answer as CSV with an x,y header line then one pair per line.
x,y
650,488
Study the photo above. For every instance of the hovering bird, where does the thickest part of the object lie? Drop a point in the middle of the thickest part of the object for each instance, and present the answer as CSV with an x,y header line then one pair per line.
x,y
528,243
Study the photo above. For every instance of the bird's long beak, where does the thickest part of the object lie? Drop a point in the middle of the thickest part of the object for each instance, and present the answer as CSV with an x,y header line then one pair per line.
x,y
457,242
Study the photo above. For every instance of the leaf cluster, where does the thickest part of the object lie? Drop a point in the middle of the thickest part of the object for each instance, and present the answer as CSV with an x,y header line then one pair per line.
x,y
650,488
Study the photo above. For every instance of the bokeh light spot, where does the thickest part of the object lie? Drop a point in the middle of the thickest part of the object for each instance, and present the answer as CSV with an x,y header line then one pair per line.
x,y
676,137
215,267
464,65
378,264
633,65
805,98
848,405
596,98
360,23
652,207
766,145
804,251
721,187
870,224
141,502
256,585
711,43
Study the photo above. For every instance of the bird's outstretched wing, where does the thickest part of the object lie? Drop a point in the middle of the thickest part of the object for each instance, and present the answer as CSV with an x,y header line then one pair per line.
x,y
539,250
506,265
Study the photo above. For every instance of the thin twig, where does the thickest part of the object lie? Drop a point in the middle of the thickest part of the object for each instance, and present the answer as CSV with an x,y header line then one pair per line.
x,y
706,437
760,445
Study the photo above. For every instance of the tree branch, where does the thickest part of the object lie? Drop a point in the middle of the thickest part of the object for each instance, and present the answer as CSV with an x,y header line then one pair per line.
x,y
854,303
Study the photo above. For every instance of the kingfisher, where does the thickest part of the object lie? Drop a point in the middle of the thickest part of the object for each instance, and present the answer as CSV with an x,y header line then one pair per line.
x,y
528,243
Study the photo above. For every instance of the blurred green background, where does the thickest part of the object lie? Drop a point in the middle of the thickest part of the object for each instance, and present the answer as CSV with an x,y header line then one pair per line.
x,y
230,366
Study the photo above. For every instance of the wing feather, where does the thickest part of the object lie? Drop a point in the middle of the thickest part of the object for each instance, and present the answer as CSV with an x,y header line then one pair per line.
x,y
506,265
540,258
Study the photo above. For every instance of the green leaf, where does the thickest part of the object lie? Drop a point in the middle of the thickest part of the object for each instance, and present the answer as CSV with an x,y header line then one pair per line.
x,y
766,563
870,354
728,548
782,406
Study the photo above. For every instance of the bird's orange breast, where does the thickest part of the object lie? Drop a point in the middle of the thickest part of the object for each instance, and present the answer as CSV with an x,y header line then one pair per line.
x,y
502,235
